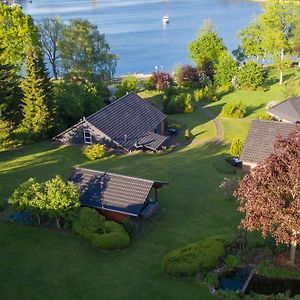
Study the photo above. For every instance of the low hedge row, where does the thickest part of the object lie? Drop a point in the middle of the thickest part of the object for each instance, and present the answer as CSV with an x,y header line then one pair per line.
x,y
188,260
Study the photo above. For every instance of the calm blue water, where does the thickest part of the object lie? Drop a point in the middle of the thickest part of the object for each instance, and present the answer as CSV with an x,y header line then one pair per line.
x,y
135,31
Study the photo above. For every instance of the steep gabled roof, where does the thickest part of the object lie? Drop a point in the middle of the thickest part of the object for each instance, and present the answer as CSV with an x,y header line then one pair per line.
x,y
287,110
261,137
127,120
112,192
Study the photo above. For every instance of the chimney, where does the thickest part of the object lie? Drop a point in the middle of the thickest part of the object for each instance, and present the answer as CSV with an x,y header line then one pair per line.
x,y
125,137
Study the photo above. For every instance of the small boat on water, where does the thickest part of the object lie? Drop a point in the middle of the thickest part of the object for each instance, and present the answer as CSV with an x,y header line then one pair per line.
x,y
166,19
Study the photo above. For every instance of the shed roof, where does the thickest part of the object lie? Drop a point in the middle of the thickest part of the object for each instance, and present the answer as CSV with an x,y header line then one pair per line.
x,y
128,120
287,110
113,192
261,137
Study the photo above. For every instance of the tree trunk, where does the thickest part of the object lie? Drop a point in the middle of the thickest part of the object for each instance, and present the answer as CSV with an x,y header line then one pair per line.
x,y
281,60
54,69
57,223
38,219
293,253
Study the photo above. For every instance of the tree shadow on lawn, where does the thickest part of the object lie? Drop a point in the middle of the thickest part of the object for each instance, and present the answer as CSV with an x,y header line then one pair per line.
x,y
216,109
42,161
253,109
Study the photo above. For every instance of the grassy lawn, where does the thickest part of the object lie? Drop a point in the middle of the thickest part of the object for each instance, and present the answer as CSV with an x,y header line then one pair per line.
x,y
41,264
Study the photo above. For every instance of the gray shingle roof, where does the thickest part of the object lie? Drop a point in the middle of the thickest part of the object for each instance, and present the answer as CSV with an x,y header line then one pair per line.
x,y
127,120
110,191
288,110
261,137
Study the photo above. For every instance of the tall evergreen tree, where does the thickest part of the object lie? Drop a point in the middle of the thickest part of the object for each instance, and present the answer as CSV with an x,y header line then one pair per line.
x,y
10,93
35,110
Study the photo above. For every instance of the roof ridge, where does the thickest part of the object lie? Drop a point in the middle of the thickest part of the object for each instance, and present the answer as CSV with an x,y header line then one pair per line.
x,y
273,122
132,177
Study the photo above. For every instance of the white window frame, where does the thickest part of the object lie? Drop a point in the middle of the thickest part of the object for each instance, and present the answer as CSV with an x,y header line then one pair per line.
x,y
87,136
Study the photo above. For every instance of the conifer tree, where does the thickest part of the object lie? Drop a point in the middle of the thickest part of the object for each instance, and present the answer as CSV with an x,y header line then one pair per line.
x,y
35,110
10,93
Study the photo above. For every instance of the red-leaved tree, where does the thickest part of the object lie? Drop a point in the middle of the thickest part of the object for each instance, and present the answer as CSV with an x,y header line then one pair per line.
x,y
270,195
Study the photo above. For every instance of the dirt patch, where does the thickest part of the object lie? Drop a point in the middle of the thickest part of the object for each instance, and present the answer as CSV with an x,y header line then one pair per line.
x,y
283,260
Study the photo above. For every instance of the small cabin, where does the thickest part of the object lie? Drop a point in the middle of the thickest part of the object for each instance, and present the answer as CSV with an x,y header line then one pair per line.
x,y
116,196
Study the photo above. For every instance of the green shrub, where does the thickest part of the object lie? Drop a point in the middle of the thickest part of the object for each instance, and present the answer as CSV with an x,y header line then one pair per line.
x,y
1,205
114,237
89,221
212,279
250,76
198,95
94,151
263,116
182,103
128,84
149,83
236,147
234,110
188,260
231,262
266,268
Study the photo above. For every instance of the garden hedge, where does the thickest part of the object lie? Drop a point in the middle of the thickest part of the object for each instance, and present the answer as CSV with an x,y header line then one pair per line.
x,y
188,260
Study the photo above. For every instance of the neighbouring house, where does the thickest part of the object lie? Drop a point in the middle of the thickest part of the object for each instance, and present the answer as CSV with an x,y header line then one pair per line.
x,y
260,140
129,123
287,111
115,196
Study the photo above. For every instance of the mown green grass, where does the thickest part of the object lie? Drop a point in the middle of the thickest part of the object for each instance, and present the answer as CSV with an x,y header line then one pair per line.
x,y
39,264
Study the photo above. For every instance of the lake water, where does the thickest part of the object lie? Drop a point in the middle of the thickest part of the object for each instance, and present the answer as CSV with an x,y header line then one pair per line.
x,y
135,31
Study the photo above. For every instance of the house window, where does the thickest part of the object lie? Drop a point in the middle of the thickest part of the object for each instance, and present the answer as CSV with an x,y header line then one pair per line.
x,y
87,136
158,129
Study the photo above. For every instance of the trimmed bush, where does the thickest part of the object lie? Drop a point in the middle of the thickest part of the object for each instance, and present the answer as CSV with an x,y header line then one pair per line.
x,y
236,147
114,237
250,76
88,222
188,260
234,110
94,151
98,232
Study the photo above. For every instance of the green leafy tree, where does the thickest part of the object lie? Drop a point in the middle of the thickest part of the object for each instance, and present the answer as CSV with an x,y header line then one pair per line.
x,y
35,111
251,41
77,100
226,69
208,47
60,198
51,33
17,33
84,52
250,75
27,197
10,93
128,84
